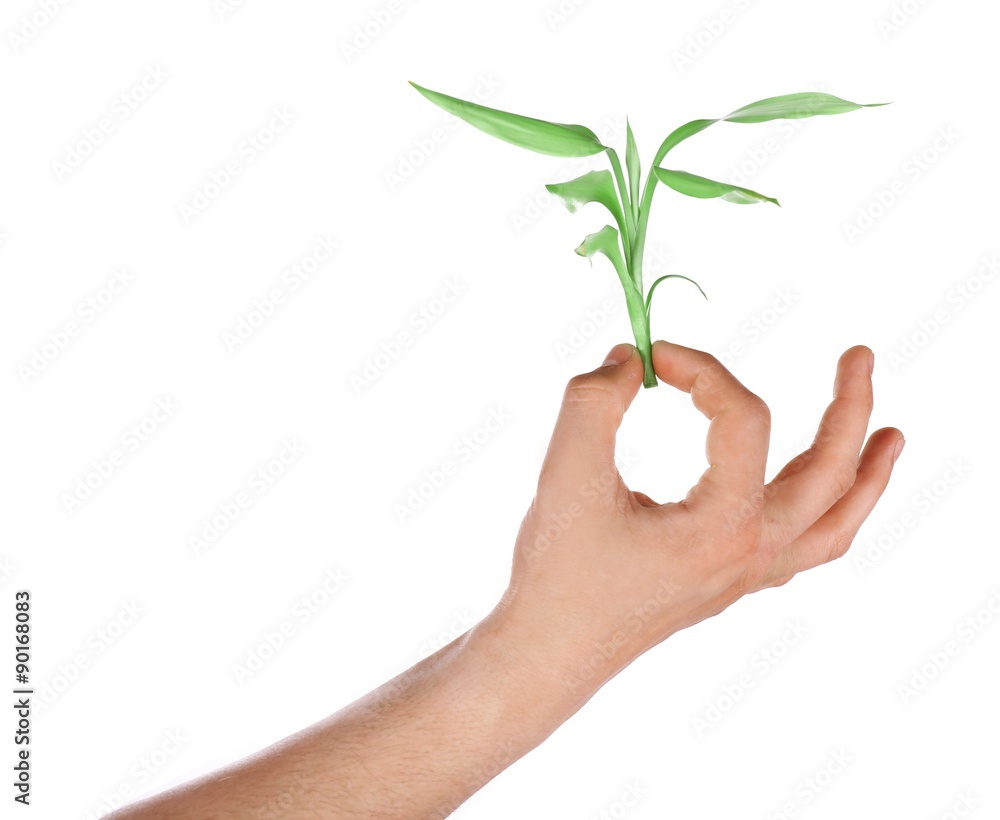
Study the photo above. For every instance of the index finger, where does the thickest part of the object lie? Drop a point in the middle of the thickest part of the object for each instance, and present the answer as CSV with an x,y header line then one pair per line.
x,y
737,440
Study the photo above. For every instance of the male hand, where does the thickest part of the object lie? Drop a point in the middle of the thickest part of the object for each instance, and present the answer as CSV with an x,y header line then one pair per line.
x,y
600,567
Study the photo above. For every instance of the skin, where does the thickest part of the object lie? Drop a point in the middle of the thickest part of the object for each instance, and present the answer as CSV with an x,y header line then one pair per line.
x,y
595,565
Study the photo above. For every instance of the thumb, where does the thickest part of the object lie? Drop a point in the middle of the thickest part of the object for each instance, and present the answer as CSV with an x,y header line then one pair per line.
x,y
594,404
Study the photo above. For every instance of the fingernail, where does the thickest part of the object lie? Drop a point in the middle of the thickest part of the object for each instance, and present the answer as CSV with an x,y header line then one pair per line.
x,y
898,450
871,362
619,354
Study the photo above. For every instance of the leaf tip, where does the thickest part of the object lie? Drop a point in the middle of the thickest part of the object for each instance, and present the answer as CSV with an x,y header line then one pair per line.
x,y
424,92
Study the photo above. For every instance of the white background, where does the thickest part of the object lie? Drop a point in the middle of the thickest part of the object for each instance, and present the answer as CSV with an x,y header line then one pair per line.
x,y
474,212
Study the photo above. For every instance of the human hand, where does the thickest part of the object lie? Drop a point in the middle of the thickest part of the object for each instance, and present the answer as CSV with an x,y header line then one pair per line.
x,y
600,575
604,572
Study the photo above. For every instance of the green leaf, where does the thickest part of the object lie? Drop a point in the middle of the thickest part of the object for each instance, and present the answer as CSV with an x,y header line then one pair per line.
x,y
606,241
554,139
787,107
795,107
702,188
649,296
596,186
633,166
678,135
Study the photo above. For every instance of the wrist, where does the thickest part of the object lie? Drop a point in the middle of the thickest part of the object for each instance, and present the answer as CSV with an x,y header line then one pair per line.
x,y
547,665
569,650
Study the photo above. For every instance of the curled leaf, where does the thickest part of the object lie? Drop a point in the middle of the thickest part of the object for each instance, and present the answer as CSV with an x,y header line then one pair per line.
x,y
596,186
606,241
649,296
704,188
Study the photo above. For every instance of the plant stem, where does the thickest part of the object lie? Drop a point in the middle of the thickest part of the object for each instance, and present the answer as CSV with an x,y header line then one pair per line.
x,y
640,323
632,278
636,261
646,351
640,329
639,243
616,166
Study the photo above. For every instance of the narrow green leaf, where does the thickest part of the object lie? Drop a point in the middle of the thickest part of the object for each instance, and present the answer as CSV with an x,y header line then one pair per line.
x,y
596,186
649,296
786,107
702,188
606,241
678,135
633,166
794,107
554,139
629,232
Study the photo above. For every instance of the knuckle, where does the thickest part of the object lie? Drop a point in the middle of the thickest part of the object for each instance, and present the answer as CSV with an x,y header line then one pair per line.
x,y
843,474
840,543
831,431
710,371
793,468
588,388
780,582
757,408
741,518
744,539
706,361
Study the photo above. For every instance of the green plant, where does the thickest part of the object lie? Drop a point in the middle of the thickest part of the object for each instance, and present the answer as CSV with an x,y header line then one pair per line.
x,y
629,207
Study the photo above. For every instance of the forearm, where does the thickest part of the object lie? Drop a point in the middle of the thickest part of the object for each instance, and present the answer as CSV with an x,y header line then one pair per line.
x,y
416,747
